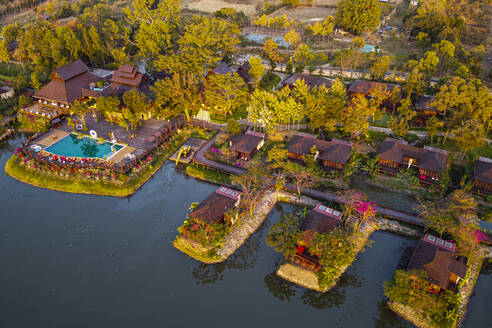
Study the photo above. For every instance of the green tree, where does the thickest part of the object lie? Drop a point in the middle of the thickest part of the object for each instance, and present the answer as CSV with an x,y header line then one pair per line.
x,y
109,107
379,67
270,52
233,126
256,71
401,123
284,234
432,126
135,103
177,95
155,23
225,93
80,109
358,16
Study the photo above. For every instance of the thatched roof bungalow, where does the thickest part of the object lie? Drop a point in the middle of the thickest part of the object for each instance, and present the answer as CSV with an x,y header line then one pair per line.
x,y
213,208
437,257
431,163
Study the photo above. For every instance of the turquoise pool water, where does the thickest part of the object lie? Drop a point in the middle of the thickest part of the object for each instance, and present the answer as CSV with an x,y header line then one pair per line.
x,y
72,146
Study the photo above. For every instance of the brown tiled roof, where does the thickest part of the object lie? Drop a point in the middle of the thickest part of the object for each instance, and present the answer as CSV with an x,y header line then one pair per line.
x,y
483,170
335,151
243,72
319,221
437,261
127,75
71,70
364,87
68,90
432,159
246,142
310,80
212,209
222,68
424,104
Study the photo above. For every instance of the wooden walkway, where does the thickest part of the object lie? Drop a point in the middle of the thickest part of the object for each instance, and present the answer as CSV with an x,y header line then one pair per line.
x,y
322,195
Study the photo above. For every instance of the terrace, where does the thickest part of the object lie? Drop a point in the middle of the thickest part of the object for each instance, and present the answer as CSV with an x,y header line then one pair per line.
x,y
102,144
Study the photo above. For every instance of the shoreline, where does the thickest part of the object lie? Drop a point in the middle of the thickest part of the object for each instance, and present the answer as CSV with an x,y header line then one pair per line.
x,y
238,236
71,185
410,314
308,278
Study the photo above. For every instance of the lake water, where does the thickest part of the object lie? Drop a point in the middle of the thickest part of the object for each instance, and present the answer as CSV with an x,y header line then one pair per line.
x,y
87,261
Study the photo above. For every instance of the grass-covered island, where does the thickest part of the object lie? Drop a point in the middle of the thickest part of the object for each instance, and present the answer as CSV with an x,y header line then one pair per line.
x,y
320,246
83,179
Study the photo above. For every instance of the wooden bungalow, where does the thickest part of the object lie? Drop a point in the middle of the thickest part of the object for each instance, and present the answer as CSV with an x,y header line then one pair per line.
x,y
222,68
243,72
437,257
366,88
66,84
333,155
430,163
321,220
310,80
244,146
213,208
425,109
482,176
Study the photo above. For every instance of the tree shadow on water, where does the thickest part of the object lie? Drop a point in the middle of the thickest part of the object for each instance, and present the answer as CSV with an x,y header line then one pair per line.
x,y
333,297
243,259
280,288
389,319
208,273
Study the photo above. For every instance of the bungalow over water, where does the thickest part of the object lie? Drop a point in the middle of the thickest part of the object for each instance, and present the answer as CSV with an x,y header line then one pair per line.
x,y
310,80
482,176
244,146
430,163
321,220
437,257
333,154
213,208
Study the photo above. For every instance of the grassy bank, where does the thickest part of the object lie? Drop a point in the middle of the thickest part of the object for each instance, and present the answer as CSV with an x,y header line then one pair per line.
x,y
208,175
79,185
195,251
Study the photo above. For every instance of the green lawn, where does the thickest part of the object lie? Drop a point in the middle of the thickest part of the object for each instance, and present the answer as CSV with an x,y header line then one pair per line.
x,y
269,81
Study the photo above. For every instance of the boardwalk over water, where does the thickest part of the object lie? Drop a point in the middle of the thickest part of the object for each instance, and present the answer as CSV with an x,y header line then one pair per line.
x,y
322,195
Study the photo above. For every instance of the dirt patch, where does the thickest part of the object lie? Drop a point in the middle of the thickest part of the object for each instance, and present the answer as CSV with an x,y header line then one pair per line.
x,y
306,14
210,6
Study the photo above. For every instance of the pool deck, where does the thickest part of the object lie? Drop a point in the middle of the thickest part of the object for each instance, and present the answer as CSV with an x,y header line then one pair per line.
x,y
52,137
120,155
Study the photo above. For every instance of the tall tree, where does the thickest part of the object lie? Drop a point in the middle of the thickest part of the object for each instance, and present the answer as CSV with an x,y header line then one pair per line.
x,y
358,16
177,95
225,93
156,23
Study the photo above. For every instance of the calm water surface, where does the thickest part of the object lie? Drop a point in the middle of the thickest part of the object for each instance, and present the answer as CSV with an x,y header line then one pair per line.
x,y
86,261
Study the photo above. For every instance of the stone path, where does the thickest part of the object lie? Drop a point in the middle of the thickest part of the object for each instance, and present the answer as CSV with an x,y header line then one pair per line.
x,y
250,224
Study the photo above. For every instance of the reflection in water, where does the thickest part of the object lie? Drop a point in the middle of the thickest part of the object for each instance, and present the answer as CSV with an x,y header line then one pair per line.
x,y
389,319
285,291
333,297
243,259
208,273
280,288
89,149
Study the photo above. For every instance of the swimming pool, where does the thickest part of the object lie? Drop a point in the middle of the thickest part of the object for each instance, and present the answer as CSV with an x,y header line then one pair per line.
x,y
260,38
73,146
